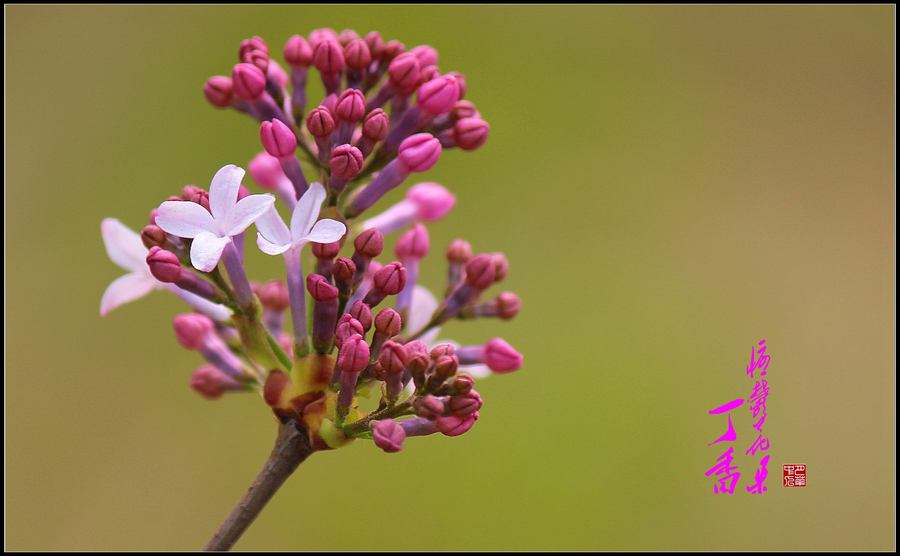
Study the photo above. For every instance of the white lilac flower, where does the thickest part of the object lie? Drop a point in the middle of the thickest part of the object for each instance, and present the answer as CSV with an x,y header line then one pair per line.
x,y
211,230
274,237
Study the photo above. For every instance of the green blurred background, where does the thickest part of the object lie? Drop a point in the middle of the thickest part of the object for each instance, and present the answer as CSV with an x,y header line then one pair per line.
x,y
671,184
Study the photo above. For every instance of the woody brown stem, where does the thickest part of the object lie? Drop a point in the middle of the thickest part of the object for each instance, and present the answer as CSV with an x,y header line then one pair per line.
x,y
291,448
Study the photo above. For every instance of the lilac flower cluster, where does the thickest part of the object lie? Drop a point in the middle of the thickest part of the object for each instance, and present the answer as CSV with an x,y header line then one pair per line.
x,y
357,326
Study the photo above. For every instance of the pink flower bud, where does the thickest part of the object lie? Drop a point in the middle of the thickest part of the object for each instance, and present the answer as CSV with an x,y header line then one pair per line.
x,y
326,250
258,58
417,355
274,295
347,326
390,279
454,425
426,55
354,354
343,269
346,36
470,133
153,236
413,244
459,251
439,95
277,138
242,192
463,384
328,57
351,106
191,329
164,265
461,80
249,81
375,44
346,161
196,194
193,193
362,313
441,350
253,43
210,382
388,323
403,72
508,305
297,52
501,266
480,271
428,73
218,91
419,152
319,122
501,357
465,404
393,358
189,191
266,170
318,35
463,109
432,200
388,435
370,243
445,366
320,289
429,407
375,126
392,49
357,54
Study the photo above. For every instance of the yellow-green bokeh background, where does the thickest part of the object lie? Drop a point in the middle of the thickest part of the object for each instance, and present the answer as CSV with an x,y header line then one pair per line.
x,y
671,184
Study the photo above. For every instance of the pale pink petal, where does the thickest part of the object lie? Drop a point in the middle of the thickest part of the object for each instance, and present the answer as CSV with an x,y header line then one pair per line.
x,y
214,311
185,219
124,289
123,245
421,308
245,212
272,228
307,211
206,250
270,248
477,371
409,390
223,190
326,231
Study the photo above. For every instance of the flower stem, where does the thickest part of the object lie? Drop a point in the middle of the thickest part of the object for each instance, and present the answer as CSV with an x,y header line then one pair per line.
x,y
419,333
355,429
291,449
297,293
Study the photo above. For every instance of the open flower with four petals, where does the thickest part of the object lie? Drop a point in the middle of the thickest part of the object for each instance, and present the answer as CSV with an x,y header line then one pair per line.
x,y
211,230
274,236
